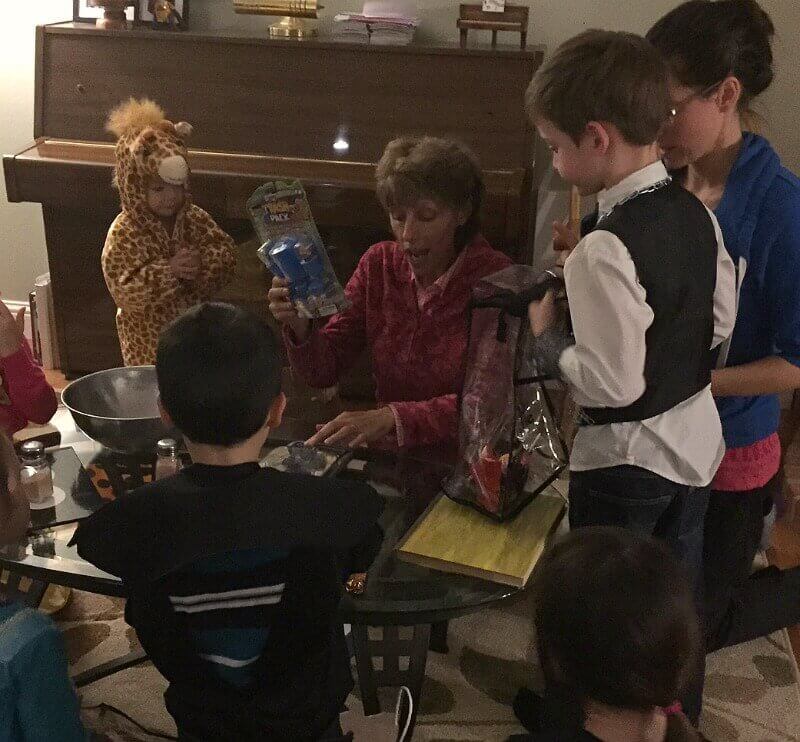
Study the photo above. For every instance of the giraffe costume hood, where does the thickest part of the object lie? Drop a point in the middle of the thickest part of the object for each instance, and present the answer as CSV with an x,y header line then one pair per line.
x,y
139,248
148,146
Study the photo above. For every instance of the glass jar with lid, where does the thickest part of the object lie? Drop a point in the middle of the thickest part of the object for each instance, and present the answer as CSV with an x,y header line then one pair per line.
x,y
167,460
36,475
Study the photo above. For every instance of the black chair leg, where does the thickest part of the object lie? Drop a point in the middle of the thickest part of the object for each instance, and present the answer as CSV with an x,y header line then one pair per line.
x,y
439,637
23,589
366,673
391,647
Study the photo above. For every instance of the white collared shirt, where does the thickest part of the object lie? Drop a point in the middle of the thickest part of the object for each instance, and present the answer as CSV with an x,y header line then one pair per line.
x,y
605,367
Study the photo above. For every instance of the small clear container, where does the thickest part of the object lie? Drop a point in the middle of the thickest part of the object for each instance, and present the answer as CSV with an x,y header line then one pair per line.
x,y
36,476
167,461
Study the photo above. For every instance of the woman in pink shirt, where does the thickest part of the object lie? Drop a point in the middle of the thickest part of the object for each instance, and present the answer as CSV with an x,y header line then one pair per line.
x,y
25,395
408,300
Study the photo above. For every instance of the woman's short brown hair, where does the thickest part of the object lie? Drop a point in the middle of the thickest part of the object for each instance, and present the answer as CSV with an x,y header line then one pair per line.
x,y
443,170
606,76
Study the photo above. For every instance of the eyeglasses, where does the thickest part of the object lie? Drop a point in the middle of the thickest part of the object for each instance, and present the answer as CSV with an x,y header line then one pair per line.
x,y
680,106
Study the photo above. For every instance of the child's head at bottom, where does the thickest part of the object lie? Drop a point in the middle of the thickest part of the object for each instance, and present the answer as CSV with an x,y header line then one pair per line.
x,y
616,621
600,102
219,376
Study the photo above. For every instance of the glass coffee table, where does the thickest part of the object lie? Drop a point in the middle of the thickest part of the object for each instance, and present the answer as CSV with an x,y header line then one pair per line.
x,y
398,594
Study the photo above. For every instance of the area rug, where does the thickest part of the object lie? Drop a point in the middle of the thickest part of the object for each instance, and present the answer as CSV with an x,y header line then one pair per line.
x,y
751,695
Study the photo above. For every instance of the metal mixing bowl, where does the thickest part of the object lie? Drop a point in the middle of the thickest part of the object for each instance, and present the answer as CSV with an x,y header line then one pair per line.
x,y
118,408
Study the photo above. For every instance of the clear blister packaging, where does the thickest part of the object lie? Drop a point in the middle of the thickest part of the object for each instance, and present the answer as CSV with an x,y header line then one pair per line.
x,y
293,249
510,446
297,458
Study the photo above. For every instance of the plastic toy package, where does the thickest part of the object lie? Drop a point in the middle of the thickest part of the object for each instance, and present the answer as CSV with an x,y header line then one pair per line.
x,y
293,249
297,458
510,447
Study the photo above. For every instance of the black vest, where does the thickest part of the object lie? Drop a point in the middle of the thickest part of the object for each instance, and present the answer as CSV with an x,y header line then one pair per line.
x,y
672,242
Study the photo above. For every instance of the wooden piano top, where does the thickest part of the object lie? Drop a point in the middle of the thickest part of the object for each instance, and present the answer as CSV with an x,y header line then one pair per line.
x,y
271,97
77,175
235,36
348,174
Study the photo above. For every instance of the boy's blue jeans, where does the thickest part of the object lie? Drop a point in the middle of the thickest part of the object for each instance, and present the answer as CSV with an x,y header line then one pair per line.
x,y
647,503
634,498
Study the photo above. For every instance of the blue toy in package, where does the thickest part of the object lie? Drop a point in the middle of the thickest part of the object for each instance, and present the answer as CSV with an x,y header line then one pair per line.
x,y
293,249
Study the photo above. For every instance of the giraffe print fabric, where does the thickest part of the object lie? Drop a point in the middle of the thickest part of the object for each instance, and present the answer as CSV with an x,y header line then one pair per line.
x,y
138,248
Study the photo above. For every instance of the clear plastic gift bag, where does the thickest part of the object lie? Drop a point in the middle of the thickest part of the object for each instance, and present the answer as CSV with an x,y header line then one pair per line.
x,y
510,447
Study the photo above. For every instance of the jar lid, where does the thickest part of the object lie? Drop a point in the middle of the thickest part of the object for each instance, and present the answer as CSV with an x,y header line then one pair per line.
x,y
167,447
32,450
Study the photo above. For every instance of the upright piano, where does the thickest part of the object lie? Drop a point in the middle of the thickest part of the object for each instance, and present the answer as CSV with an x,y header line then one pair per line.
x,y
260,109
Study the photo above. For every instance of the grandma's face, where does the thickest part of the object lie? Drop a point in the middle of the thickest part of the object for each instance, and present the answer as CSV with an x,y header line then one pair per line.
x,y
426,232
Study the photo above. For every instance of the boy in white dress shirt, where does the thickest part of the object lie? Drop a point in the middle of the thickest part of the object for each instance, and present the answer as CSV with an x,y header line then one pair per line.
x,y
651,291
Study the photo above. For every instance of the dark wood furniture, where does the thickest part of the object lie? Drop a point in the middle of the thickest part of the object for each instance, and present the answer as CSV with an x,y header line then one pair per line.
x,y
513,19
260,109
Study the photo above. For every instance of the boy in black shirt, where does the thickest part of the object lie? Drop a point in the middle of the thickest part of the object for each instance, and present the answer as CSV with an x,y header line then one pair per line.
x,y
232,570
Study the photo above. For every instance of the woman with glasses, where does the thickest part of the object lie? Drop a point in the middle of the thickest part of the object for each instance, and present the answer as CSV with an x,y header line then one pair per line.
x,y
720,60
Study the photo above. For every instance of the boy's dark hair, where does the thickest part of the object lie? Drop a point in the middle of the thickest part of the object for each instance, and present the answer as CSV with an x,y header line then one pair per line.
x,y
219,371
704,42
616,620
605,76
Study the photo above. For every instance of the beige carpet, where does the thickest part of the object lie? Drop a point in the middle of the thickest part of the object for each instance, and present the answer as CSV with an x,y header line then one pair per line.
x,y
752,692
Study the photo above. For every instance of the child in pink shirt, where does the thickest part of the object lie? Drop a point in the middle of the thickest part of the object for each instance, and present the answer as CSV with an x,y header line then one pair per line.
x,y
25,395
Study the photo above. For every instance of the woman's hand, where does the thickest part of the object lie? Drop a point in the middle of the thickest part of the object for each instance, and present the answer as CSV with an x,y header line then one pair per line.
x,y
280,304
542,314
355,428
12,330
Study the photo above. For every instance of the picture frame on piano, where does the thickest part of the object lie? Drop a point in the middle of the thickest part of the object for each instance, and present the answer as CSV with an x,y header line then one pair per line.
x,y
82,12
145,17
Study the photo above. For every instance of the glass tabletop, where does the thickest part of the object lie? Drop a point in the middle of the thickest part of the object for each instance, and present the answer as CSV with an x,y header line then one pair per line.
x,y
396,592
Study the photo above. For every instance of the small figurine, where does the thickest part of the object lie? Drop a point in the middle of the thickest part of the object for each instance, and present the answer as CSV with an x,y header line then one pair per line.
x,y
165,15
113,14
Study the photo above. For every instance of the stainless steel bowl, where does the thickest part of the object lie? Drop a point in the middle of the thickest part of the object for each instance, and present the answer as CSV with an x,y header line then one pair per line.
x,y
118,408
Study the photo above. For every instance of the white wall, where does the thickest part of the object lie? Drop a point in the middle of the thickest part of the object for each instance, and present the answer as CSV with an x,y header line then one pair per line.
x,y
21,236
22,246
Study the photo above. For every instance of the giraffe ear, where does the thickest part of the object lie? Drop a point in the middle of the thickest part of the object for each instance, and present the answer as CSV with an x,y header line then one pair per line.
x,y
183,129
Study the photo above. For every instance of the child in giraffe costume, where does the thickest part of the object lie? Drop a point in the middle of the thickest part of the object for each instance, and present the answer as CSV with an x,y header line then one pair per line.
x,y
163,254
